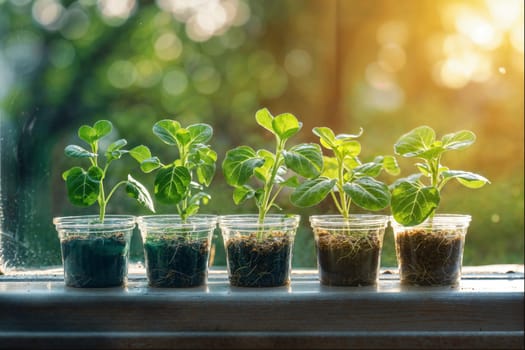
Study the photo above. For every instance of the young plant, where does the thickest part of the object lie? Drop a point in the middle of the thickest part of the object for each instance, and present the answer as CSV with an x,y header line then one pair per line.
x,y
86,187
414,199
345,178
182,181
270,169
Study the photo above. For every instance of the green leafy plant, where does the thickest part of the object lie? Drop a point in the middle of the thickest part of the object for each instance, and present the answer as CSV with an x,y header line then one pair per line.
x,y
243,163
86,187
345,177
416,197
182,181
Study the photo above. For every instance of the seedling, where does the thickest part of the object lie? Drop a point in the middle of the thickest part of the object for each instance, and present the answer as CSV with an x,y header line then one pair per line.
x,y
271,170
416,197
345,177
86,187
182,181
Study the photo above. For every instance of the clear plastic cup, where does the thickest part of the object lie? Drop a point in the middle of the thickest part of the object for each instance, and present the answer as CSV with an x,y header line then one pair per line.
x,y
349,249
95,254
259,254
177,252
431,253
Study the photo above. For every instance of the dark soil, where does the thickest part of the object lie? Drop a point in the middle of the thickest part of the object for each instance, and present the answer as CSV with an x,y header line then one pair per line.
x,y
176,262
346,260
95,262
254,262
429,259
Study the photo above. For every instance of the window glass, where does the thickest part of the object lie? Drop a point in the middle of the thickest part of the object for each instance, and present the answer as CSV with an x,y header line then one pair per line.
x,y
381,65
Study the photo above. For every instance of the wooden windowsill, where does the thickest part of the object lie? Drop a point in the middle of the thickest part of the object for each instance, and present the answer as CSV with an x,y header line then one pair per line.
x,y
484,311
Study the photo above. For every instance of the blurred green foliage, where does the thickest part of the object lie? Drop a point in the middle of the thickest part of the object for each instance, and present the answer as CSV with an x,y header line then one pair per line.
x,y
380,65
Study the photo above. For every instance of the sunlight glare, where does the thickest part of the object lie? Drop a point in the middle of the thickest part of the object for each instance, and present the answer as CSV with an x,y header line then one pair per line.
x,y
454,74
516,38
504,12
478,29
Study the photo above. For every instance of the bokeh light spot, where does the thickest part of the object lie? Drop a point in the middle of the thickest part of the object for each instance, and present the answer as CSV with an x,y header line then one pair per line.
x,y
377,77
168,47
61,53
76,23
175,82
273,82
116,11
391,58
122,74
392,32
48,13
206,80
298,62
148,73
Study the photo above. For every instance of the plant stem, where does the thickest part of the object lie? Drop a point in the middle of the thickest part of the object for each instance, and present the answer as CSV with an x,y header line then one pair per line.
x,y
268,187
336,201
342,195
102,201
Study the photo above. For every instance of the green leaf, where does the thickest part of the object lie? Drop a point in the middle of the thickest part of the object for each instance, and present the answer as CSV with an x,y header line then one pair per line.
x,y
349,148
292,182
83,187
350,163
348,137
172,184
368,193
117,145
140,153
415,142
264,118
305,159
391,166
199,197
372,169
330,168
87,133
150,164
190,210
136,190
326,137
166,130
239,164
412,203
102,127
458,140
312,192
467,179
285,125
242,193
114,150
264,172
424,169
75,151
206,165
183,137
200,133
